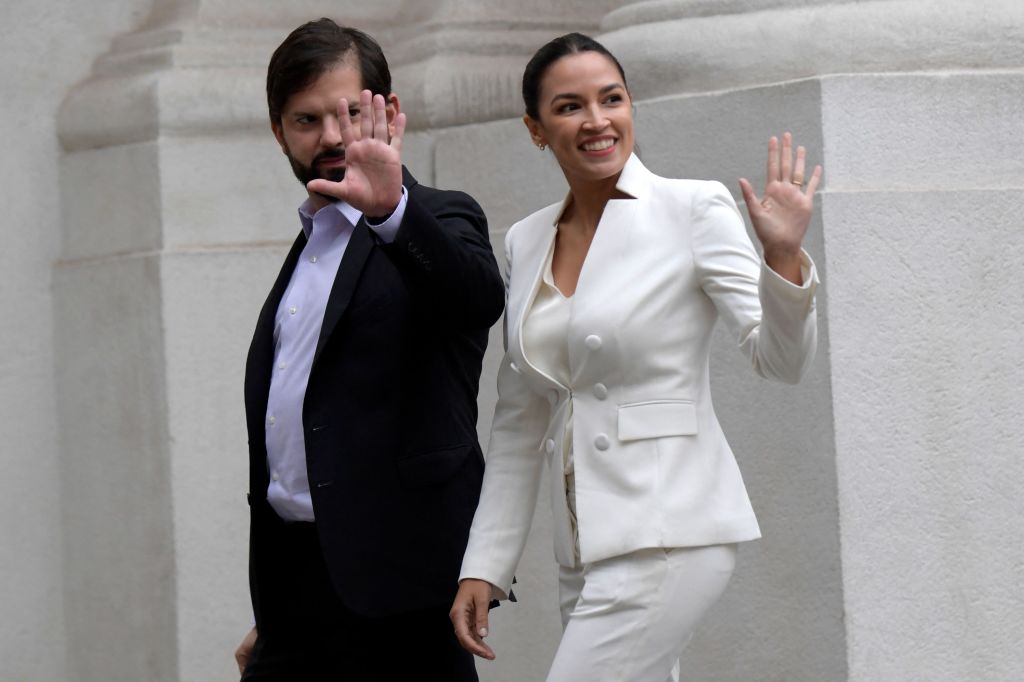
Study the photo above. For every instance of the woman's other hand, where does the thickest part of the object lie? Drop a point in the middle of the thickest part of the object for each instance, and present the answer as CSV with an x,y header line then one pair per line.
x,y
781,216
469,616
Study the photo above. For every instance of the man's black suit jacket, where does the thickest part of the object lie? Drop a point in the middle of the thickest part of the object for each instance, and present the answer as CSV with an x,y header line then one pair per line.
x,y
390,410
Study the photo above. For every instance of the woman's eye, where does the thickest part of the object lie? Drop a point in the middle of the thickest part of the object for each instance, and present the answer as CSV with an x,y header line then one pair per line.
x,y
353,114
565,108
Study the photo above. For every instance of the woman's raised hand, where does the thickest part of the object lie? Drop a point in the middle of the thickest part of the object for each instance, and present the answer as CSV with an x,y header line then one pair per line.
x,y
781,216
373,161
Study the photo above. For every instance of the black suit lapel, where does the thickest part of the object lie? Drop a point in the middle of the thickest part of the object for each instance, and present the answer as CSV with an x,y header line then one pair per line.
x,y
356,253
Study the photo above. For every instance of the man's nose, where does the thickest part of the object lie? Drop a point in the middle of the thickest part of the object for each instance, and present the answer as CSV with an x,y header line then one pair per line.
x,y
330,134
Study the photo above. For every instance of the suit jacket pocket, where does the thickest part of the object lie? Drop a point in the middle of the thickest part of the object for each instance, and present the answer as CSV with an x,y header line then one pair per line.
x,y
657,419
433,466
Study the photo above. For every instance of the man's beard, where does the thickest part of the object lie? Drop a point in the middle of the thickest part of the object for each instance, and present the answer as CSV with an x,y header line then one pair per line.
x,y
306,173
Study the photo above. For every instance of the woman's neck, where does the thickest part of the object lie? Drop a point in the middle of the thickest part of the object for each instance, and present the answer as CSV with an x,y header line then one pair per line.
x,y
587,201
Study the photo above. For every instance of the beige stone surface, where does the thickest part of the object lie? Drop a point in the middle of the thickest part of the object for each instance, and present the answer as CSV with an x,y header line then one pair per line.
x,y
148,209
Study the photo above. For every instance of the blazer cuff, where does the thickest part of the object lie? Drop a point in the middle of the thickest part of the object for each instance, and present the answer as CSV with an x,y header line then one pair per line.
x,y
776,285
498,593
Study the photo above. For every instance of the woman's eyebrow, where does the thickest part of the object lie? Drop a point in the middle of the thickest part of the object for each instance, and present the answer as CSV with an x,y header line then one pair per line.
x,y
573,95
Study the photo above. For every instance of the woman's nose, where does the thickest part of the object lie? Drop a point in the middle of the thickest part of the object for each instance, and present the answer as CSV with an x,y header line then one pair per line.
x,y
595,118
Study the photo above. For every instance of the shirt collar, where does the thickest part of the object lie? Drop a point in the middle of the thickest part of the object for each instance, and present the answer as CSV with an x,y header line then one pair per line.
x,y
307,213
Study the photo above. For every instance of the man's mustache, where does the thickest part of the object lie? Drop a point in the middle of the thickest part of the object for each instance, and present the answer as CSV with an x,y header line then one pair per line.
x,y
329,154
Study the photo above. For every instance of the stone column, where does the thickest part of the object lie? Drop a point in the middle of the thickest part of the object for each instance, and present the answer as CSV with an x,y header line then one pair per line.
x,y
461,61
887,485
177,209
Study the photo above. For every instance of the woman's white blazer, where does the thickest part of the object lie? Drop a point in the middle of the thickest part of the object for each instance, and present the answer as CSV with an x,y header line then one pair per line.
x,y
652,466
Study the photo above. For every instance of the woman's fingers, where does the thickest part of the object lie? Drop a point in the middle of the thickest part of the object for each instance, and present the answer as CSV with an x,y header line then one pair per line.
x,y
786,158
469,616
798,169
812,186
751,200
773,160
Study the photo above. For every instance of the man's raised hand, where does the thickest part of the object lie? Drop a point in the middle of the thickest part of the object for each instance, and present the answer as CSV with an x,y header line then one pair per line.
x,y
373,162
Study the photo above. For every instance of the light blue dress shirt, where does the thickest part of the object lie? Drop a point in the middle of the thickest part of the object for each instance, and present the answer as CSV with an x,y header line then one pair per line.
x,y
296,332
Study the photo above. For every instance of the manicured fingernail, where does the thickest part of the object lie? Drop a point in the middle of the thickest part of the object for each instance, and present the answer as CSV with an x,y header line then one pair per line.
x,y
483,632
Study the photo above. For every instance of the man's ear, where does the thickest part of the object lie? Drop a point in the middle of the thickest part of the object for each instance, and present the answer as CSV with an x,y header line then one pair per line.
x,y
535,132
279,135
392,108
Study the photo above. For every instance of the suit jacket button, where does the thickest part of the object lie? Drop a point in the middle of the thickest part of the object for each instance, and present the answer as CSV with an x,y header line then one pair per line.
x,y
602,442
593,342
549,446
600,391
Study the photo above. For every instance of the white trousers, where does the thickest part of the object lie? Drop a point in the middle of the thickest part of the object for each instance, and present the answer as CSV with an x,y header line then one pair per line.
x,y
628,618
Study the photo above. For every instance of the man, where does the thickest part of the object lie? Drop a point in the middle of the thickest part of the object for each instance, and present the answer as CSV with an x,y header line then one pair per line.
x,y
360,387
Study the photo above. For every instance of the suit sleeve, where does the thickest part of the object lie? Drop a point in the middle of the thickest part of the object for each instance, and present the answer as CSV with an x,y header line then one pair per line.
x,y
773,320
512,478
444,249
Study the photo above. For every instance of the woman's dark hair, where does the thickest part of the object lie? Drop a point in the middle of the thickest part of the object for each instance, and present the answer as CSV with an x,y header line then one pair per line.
x,y
570,43
315,48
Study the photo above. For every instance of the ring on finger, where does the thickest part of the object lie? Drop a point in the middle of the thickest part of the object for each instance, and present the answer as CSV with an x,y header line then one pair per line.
x,y
798,183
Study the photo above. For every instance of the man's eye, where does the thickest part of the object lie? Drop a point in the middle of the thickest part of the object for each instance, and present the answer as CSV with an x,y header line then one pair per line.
x,y
353,113
304,120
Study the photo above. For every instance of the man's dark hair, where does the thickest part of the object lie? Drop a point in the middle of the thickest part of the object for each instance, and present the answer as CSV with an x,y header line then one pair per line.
x,y
315,48
570,43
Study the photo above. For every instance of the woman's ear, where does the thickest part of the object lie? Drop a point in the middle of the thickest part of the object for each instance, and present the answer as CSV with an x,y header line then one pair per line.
x,y
535,132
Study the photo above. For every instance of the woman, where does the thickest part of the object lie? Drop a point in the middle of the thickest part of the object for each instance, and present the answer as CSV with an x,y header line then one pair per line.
x,y
612,297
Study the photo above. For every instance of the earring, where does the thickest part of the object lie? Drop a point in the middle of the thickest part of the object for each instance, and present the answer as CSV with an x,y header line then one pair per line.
x,y
541,146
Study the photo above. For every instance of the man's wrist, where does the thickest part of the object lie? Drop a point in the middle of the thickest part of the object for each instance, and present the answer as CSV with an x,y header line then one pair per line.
x,y
383,218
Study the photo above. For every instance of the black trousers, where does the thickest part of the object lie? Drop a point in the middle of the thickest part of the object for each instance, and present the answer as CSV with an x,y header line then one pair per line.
x,y
310,636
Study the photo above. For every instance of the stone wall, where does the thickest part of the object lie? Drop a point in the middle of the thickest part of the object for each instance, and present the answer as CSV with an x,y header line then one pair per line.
x,y
156,209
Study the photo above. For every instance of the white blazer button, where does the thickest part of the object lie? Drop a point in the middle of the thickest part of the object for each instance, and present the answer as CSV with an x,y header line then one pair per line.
x,y
602,442
593,342
600,391
550,445
514,366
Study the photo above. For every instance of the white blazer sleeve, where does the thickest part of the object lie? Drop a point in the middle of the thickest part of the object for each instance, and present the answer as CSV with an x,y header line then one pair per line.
x,y
772,319
512,476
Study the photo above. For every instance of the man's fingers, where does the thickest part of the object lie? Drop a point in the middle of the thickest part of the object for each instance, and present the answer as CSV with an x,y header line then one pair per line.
x,y
366,114
345,127
244,650
380,119
338,190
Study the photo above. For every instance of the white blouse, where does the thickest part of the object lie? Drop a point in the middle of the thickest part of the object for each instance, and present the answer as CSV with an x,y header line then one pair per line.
x,y
546,342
